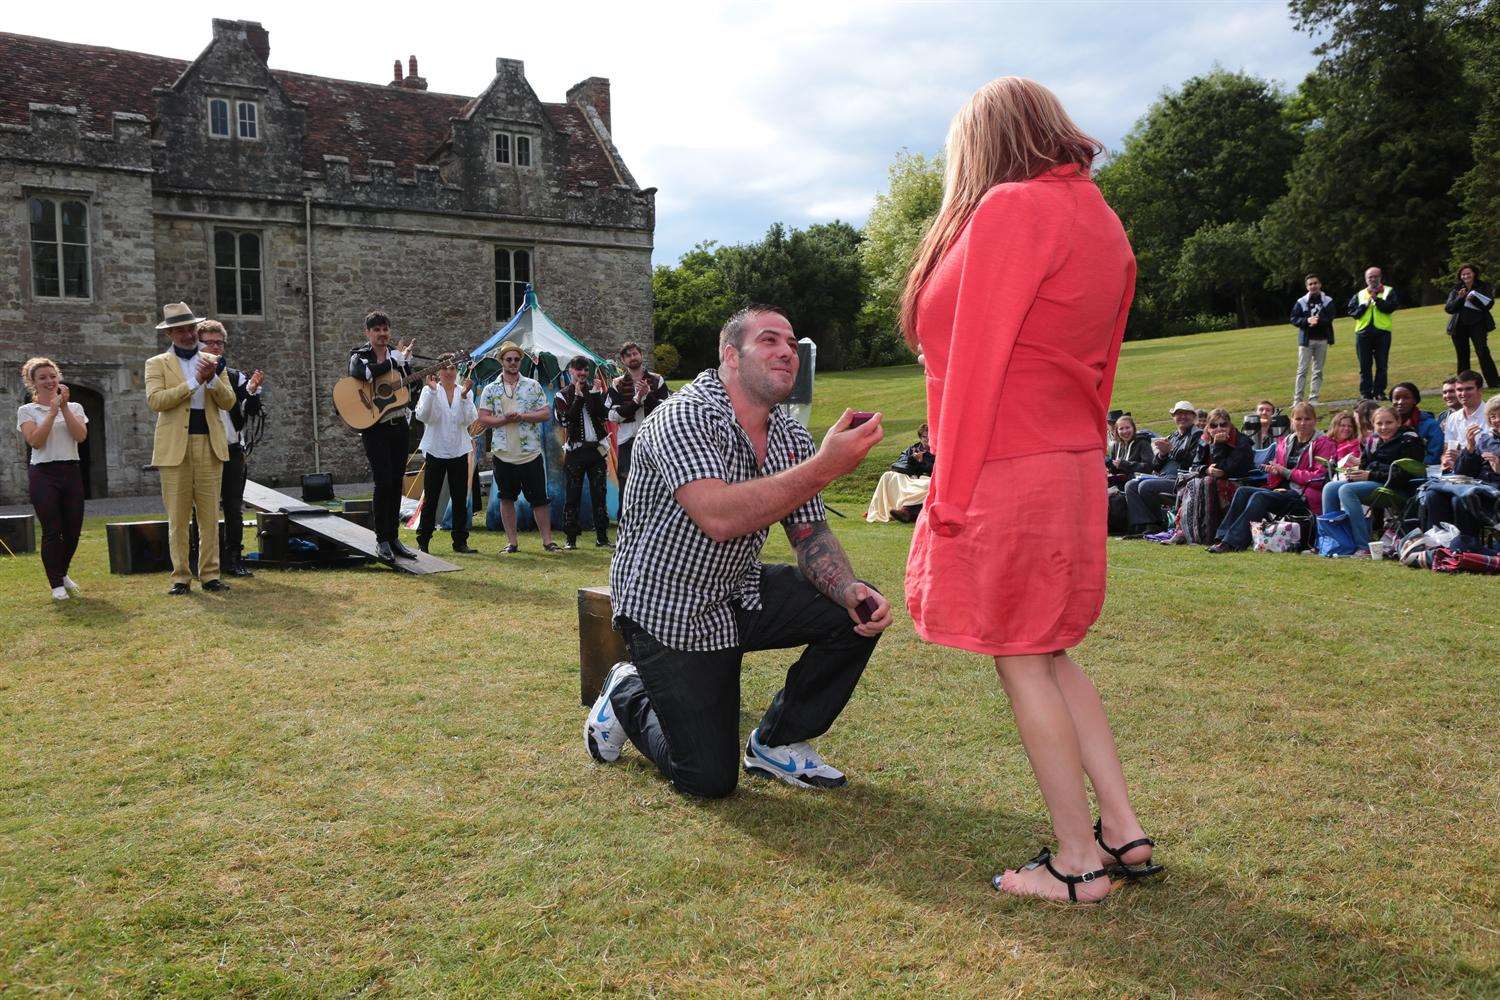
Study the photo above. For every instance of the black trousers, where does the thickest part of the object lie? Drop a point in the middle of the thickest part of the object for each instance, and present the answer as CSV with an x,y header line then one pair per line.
x,y
1143,497
622,467
1462,337
1373,348
456,472
56,490
585,461
232,499
683,710
385,447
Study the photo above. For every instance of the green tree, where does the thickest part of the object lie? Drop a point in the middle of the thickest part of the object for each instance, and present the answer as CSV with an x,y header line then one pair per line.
x,y
1213,152
1476,233
1389,134
896,225
1221,257
692,302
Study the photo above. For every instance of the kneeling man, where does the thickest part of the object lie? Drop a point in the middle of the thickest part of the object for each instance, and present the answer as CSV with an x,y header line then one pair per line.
x,y
713,468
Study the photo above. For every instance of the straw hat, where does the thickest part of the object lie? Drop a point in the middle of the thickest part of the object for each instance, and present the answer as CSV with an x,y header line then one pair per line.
x,y
177,314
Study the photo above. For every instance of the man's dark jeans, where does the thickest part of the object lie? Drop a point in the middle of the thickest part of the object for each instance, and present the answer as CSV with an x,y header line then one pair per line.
x,y
1144,496
232,499
1373,348
585,462
1251,504
683,710
386,447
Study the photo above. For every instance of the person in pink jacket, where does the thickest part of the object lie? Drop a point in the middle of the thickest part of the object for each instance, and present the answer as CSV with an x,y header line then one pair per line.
x,y
1295,475
1018,300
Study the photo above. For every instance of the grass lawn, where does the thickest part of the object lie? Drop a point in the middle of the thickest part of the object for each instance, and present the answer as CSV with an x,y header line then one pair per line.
x,y
352,784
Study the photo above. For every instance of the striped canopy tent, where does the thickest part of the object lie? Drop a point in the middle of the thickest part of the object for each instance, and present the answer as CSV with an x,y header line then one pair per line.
x,y
547,346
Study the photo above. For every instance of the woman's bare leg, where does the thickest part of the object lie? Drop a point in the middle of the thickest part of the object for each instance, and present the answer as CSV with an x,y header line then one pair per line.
x,y
1101,759
1051,741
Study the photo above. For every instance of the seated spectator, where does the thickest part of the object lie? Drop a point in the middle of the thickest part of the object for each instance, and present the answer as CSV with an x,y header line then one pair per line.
x,y
1204,491
1264,434
1129,454
903,488
1456,426
1450,397
1387,445
1404,399
1295,475
1343,431
1364,416
1470,503
1200,420
1146,495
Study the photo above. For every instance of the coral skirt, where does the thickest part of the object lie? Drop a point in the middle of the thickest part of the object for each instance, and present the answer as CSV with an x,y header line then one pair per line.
x,y
1027,572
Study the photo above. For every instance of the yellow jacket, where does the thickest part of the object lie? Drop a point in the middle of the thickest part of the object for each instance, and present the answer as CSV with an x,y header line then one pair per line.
x,y
168,394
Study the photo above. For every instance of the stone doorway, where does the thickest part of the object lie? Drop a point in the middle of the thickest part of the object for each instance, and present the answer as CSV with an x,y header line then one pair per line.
x,y
93,455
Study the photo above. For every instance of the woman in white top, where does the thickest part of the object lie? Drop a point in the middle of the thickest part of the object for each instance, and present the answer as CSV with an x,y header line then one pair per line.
x,y
53,426
446,410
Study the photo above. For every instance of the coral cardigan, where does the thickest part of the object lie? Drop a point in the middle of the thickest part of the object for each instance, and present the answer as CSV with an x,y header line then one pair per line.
x,y
1021,323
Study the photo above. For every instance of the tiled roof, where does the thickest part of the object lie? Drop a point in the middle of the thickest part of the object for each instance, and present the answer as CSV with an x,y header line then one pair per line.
x,y
363,121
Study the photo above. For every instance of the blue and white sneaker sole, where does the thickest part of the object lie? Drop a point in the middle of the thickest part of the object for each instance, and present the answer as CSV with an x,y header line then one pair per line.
x,y
592,739
754,765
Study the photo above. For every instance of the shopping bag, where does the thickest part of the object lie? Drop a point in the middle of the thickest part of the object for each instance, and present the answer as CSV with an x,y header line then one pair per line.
x,y
1335,538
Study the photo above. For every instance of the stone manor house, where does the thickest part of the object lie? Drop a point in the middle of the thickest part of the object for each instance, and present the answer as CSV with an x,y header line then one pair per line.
x,y
286,206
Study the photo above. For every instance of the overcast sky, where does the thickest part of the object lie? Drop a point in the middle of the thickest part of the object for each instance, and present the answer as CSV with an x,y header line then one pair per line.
x,y
746,114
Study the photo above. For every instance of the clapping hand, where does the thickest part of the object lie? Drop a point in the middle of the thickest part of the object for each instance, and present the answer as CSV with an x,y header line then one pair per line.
x,y
1470,436
256,381
432,381
406,348
468,386
641,388
207,366
60,397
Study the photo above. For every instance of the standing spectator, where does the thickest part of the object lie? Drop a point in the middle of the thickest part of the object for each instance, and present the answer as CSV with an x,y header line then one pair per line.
x,y
1450,397
1146,495
1404,399
1384,448
1470,303
582,411
213,338
1295,473
1457,425
1312,315
632,398
52,426
186,391
516,407
1129,454
1371,308
446,410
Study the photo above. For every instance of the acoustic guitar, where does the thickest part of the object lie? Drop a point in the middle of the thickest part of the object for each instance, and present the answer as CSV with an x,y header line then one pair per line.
x,y
362,404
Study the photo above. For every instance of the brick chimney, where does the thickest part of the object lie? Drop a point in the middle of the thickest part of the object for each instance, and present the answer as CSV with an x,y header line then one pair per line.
x,y
412,80
592,93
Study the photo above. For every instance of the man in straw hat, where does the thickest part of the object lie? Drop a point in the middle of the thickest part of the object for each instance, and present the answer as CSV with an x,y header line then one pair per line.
x,y
186,388
516,407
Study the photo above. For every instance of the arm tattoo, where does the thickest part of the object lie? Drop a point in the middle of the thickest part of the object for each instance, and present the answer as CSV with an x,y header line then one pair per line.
x,y
821,559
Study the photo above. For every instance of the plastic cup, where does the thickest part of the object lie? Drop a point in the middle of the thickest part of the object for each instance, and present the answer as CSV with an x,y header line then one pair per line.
x,y
1376,549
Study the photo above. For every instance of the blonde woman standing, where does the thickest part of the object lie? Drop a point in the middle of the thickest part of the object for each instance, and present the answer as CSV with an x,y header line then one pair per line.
x,y
53,426
1018,300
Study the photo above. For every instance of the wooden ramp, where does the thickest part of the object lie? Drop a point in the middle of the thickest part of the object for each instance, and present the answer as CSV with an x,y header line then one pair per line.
x,y
321,521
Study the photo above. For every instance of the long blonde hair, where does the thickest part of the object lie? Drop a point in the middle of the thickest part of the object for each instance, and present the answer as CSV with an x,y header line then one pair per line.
x,y
1012,129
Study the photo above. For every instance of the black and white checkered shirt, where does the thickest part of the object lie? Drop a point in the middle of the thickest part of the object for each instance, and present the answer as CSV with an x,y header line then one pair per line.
x,y
668,576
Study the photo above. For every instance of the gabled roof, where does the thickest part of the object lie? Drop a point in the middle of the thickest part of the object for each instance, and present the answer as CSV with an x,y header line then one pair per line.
x,y
363,121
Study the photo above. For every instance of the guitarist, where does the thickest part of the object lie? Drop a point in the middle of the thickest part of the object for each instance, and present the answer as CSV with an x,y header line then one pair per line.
x,y
385,442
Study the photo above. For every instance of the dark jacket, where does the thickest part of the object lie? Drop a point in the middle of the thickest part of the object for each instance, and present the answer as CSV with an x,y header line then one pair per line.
x,y
1472,463
1131,457
621,397
1473,312
246,405
1377,456
909,464
1235,457
1304,309
568,406
1180,453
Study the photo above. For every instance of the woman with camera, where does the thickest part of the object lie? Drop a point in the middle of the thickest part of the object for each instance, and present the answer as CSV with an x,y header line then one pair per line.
x,y
53,426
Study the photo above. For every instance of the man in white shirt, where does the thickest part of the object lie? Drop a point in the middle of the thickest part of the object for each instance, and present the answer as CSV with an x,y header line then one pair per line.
x,y
1457,433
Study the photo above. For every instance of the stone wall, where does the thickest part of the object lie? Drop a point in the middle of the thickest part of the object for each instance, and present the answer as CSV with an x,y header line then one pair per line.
x,y
101,342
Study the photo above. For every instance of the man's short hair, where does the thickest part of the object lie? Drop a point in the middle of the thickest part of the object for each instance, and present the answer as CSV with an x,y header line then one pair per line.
x,y
732,333
1266,402
1311,277
580,362
1469,375
375,318
211,326
630,345
1451,380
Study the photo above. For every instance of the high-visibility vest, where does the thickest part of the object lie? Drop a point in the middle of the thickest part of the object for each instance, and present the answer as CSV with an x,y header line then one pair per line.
x,y
1382,320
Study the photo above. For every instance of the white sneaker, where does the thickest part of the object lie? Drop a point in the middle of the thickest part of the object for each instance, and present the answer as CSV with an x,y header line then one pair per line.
x,y
603,734
71,587
59,593
796,764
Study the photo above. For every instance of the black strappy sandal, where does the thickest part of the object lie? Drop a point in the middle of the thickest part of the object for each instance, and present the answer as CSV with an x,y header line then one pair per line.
x,y
1120,869
1044,859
